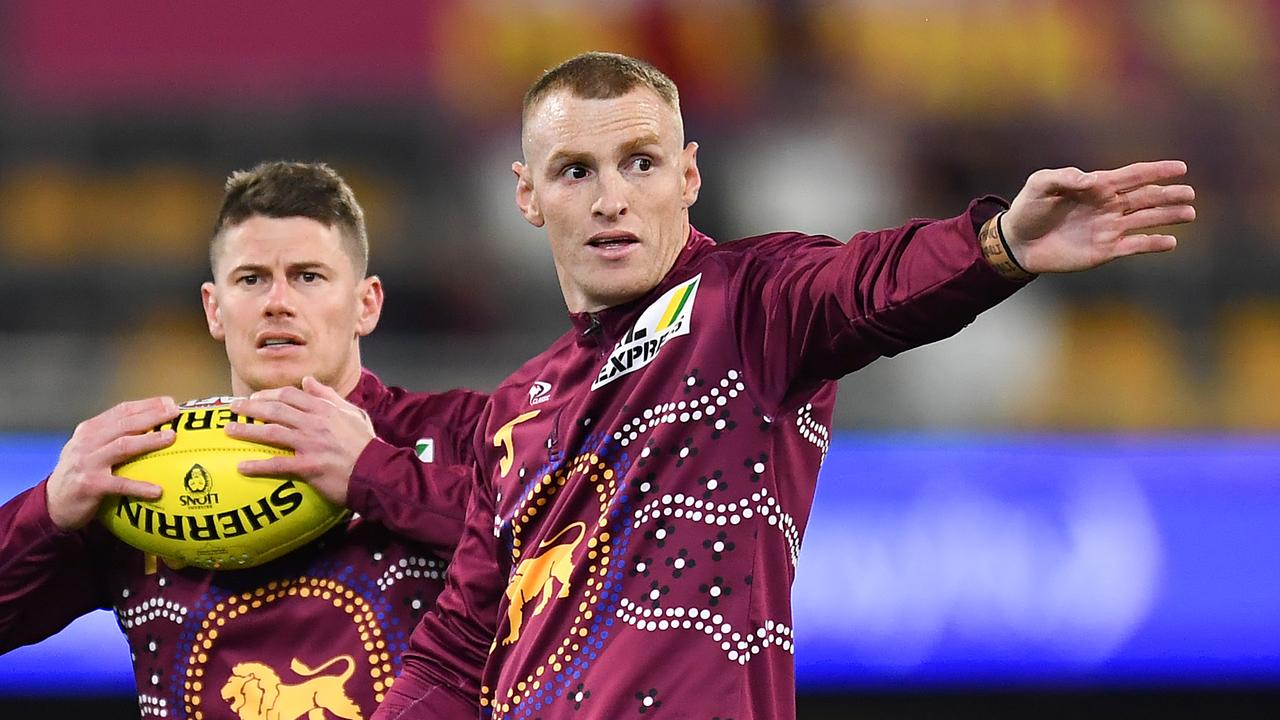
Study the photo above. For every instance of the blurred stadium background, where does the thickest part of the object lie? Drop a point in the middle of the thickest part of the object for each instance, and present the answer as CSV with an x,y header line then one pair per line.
x,y
120,120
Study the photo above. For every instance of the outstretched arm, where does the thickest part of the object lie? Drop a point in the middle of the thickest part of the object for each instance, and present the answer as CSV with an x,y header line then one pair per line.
x,y
1067,220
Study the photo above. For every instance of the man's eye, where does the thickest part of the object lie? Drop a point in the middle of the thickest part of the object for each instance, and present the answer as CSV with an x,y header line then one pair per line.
x,y
575,172
309,277
643,164
248,280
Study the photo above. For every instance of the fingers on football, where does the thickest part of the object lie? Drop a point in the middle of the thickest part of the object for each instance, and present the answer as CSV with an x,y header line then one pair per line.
x,y
136,416
128,446
269,394
290,396
134,488
269,434
271,467
278,411
161,406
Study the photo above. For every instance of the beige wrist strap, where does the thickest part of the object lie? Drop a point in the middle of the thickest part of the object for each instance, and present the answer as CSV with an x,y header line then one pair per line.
x,y
997,252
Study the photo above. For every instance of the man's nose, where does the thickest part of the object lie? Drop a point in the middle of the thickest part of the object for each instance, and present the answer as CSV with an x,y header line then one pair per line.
x,y
279,299
611,203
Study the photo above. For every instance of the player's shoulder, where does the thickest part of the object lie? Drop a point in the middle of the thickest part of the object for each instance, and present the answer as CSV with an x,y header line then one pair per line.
x,y
767,246
388,402
762,255
778,242
457,400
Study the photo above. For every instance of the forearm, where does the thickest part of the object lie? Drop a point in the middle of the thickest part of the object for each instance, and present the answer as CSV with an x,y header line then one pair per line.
x,y
825,308
886,292
425,502
922,280
46,578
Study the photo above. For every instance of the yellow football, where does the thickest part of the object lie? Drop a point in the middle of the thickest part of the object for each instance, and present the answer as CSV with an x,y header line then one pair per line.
x,y
210,515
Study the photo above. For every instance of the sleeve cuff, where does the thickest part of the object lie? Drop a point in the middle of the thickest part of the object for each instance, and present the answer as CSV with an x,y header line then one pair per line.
x,y
997,252
39,509
985,214
360,487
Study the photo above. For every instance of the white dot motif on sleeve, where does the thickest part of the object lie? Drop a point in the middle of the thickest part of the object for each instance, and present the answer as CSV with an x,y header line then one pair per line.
x,y
813,431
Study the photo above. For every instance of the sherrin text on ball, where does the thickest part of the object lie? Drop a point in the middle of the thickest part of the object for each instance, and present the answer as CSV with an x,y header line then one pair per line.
x,y
210,515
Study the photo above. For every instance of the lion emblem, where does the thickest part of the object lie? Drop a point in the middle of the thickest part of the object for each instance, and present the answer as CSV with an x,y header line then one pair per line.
x,y
255,692
537,576
197,480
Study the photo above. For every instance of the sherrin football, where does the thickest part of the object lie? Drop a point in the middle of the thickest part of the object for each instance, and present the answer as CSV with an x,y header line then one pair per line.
x,y
210,515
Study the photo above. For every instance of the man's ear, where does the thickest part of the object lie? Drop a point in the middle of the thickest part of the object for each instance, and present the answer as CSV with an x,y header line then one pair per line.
x,y
526,198
370,291
691,178
212,314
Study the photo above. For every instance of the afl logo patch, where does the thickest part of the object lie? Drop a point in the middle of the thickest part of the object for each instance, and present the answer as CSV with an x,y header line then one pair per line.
x,y
425,449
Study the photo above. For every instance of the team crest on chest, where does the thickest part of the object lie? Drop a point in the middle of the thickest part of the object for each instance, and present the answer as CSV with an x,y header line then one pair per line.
x,y
668,317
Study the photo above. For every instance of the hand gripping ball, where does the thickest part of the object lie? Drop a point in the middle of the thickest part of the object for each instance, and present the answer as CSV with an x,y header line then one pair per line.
x,y
210,515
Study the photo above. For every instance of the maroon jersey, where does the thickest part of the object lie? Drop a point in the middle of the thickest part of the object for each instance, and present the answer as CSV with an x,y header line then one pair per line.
x,y
647,480
319,630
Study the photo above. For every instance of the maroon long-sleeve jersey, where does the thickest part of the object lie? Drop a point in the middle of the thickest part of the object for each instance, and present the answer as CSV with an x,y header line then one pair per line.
x,y
647,480
320,629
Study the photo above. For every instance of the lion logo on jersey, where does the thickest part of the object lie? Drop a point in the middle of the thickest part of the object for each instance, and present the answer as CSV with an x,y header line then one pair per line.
x,y
255,692
537,576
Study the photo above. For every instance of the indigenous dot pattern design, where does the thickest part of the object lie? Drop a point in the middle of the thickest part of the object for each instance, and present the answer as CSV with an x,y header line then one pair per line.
x,y
812,430
706,405
172,689
691,507
553,678
739,645
149,610
623,510
152,706
432,568
358,610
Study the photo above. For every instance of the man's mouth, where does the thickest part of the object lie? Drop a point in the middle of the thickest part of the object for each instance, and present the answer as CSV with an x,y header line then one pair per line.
x,y
612,240
276,341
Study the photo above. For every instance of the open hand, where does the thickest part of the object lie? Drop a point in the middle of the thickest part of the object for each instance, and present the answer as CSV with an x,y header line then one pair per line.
x,y
1066,220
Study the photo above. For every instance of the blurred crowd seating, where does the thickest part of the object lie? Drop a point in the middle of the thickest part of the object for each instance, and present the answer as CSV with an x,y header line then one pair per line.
x,y
117,127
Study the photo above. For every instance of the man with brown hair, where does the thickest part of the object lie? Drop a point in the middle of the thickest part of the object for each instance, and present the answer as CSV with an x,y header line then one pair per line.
x,y
683,420
321,629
